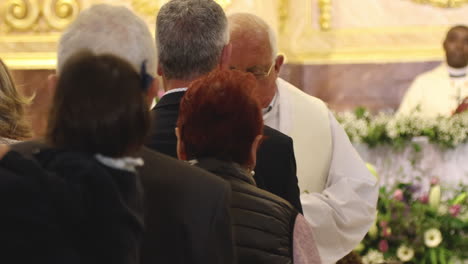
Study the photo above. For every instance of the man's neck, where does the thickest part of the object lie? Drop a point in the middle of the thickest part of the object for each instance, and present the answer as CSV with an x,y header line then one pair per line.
x,y
174,84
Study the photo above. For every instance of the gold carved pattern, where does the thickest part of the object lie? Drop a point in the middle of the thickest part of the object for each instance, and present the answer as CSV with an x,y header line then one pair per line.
x,y
325,14
146,7
20,14
224,3
25,15
443,3
283,14
59,13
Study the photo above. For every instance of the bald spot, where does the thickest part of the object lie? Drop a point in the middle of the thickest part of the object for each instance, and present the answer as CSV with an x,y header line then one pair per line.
x,y
249,42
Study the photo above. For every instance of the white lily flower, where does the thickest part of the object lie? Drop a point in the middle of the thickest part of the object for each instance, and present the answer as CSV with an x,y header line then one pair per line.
x,y
405,253
432,237
373,257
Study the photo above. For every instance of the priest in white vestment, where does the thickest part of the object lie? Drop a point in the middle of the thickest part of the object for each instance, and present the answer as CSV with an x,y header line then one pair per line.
x,y
339,195
441,90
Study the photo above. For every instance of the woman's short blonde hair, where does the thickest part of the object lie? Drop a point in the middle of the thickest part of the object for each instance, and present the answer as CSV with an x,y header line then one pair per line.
x,y
13,124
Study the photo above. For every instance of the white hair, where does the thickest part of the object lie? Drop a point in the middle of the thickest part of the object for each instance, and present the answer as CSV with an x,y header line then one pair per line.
x,y
246,22
106,29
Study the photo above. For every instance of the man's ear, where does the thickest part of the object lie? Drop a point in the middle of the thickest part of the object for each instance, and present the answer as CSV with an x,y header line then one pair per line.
x,y
225,57
52,81
3,150
180,146
152,92
160,71
278,63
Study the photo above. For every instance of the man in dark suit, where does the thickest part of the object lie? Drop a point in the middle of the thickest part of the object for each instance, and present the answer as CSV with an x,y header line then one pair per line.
x,y
192,40
187,216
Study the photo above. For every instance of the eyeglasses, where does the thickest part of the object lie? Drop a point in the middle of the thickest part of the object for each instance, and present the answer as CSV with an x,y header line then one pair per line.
x,y
259,74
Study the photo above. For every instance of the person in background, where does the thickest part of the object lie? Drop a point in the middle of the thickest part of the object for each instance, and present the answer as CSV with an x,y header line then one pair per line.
x,y
83,201
219,129
339,194
192,40
14,124
186,209
441,90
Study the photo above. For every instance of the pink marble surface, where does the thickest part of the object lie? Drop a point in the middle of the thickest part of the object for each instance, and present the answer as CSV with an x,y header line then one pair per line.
x,y
346,86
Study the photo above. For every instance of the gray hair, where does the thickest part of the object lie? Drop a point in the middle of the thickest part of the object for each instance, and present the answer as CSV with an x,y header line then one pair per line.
x,y
190,37
106,29
246,22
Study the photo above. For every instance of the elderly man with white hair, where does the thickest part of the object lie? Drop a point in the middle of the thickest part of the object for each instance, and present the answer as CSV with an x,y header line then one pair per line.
x,y
339,194
186,209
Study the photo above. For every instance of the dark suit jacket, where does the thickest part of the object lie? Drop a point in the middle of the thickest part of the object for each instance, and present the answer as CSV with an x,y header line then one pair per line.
x,y
276,164
69,208
186,210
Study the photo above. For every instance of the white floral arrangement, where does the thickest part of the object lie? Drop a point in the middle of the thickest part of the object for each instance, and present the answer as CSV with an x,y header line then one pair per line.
x,y
384,128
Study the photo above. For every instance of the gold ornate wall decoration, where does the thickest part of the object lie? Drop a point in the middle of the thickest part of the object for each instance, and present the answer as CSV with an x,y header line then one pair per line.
x,y
46,15
146,7
21,14
325,14
283,14
224,3
59,13
443,3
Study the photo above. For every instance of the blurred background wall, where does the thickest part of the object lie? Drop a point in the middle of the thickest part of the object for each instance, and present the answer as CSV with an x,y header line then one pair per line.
x,y
347,52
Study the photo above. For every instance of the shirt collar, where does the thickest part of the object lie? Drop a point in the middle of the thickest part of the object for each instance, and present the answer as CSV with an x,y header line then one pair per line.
x,y
124,163
175,90
267,109
456,72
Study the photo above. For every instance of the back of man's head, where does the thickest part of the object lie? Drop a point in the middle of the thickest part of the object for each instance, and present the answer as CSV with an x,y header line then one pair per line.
x,y
106,29
190,36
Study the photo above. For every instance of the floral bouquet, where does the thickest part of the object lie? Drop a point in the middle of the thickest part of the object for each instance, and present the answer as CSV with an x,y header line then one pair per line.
x,y
424,229
398,131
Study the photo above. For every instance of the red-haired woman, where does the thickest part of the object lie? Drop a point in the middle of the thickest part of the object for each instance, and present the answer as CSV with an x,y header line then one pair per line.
x,y
219,129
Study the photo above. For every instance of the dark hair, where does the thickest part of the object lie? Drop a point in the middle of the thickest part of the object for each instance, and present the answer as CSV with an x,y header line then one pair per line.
x,y
99,107
220,117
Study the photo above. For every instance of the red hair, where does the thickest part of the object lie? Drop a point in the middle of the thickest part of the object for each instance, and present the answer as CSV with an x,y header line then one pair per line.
x,y
220,117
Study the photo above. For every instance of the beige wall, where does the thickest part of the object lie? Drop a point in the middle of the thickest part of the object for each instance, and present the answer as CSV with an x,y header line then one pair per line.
x,y
361,31
368,56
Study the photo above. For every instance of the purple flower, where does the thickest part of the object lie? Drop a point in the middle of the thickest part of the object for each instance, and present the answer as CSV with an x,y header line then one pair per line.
x,y
454,210
398,195
383,246
414,188
424,199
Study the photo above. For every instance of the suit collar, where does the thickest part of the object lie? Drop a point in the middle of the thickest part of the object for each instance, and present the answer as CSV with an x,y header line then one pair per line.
x,y
170,99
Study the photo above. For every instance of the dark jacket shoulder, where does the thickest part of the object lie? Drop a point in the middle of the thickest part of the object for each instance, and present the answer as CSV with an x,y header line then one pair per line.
x,y
263,223
276,167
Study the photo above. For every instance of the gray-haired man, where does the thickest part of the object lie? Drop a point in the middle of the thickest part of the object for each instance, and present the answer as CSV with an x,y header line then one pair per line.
x,y
193,39
187,218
